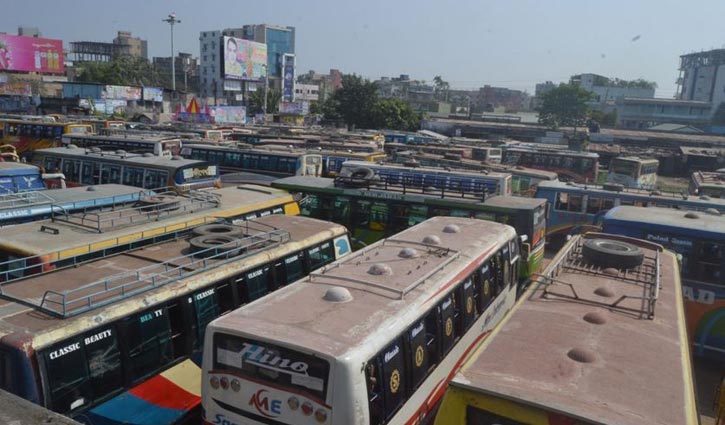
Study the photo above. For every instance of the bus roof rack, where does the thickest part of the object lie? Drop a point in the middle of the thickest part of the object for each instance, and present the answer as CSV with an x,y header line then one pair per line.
x,y
255,238
384,184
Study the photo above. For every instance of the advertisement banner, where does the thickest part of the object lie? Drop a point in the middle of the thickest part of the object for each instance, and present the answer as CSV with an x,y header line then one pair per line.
x,y
288,83
229,114
153,94
244,59
122,93
232,85
30,54
21,88
294,108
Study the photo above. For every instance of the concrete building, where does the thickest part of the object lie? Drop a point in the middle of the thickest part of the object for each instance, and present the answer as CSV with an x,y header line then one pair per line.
x,y
642,113
327,83
307,92
211,83
607,91
540,90
127,45
702,77
490,98
29,32
186,69
279,40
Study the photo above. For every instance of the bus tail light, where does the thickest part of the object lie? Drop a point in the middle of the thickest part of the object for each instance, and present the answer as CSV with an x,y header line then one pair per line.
x,y
224,383
214,382
236,385
307,408
321,415
293,403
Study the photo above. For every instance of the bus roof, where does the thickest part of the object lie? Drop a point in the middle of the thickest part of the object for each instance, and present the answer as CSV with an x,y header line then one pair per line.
x,y
701,221
17,168
440,171
129,158
233,201
631,193
136,137
30,317
68,198
260,150
396,277
587,357
713,179
636,159
548,150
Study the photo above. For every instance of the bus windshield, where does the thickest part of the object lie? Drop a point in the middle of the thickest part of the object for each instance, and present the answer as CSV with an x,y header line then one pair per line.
x,y
271,364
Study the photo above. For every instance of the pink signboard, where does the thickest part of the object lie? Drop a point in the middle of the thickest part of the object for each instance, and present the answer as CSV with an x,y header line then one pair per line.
x,y
31,54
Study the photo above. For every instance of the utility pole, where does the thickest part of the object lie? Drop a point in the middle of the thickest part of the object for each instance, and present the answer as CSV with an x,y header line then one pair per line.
x,y
266,87
171,20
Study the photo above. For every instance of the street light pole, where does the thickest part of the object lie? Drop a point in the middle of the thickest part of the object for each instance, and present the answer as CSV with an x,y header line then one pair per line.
x,y
266,87
171,20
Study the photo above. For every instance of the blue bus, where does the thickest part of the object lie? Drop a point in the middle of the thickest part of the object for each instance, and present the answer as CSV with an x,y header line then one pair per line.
x,y
576,208
484,183
18,177
699,238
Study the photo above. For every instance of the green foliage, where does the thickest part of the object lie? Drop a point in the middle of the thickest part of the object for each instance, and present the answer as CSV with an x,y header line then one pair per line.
x,y
606,120
719,117
441,88
358,105
123,71
256,101
564,106
640,83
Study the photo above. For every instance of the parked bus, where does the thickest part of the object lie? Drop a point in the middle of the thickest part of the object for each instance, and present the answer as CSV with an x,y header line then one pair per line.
x,y
576,208
94,166
483,183
632,171
379,335
374,212
117,340
580,167
706,183
332,160
29,136
18,177
22,207
600,338
90,233
159,145
699,238
523,180
271,162
437,149
8,153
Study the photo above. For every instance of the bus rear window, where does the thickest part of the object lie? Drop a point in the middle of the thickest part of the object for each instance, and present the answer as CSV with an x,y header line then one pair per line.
x,y
280,367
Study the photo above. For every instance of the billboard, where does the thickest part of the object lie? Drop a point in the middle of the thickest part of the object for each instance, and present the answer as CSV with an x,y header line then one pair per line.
x,y
153,94
232,85
20,88
244,59
288,83
229,114
294,108
122,93
31,54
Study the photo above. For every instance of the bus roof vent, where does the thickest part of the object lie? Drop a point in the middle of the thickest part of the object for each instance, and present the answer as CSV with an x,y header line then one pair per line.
x,y
91,189
148,154
380,269
692,215
337,294
613,187
655,193
451,228
121,152
582,355
95,149
408,253
432,240
71,146
712,211
705,197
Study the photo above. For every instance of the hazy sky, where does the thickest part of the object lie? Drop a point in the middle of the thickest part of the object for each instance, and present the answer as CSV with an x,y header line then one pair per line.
x,y
514,43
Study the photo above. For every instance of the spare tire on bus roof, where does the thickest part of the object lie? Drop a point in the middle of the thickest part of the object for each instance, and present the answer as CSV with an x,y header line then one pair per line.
x,y
612,253
362,173
218,229
159,203
210,245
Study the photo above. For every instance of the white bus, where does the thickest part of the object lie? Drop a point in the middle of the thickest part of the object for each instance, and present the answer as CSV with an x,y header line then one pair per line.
x,y
372,339
631,171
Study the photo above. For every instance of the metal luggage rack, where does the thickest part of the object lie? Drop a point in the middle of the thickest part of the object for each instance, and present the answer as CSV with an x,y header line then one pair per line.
x,y
449,254
11,200
646,275
150,206
257,237
399,185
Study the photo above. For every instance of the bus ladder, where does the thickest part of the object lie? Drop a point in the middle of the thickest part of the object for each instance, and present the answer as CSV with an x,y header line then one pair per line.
x,y
150,206
257,238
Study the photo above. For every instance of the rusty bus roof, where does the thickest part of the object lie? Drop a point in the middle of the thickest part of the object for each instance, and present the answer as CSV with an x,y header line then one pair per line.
x,y
391,283
587,358
29,239
21,309
712,179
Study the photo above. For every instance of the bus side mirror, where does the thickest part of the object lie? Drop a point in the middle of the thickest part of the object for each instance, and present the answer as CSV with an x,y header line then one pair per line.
x,y
525,250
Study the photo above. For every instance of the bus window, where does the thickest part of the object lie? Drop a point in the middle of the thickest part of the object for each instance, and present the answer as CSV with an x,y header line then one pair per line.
x,y
393,374
206,309
594,205
148,335
6,372
468,309
361,213
432,336
710,262
575,203
607,204
378,216
562,201
461,213
448,336
484,292
104,362
289,270
341,210
417,343
67,370
321,255
311,206
132,176
255,284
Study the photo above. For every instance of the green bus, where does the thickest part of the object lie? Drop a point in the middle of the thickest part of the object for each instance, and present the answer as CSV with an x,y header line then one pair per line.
x,y
373,212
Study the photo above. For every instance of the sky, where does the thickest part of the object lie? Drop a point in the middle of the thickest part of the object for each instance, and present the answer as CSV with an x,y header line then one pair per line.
x,y
504,43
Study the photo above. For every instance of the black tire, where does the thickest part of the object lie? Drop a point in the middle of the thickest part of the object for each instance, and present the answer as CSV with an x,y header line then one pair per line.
x,y
209,245
612,253
362,173
218,230
159,203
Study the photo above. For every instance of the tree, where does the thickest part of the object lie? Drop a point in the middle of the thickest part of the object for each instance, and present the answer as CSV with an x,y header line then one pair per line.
x,y
442,87
607,120
395,114
355,100
564,106
256,101
123,71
